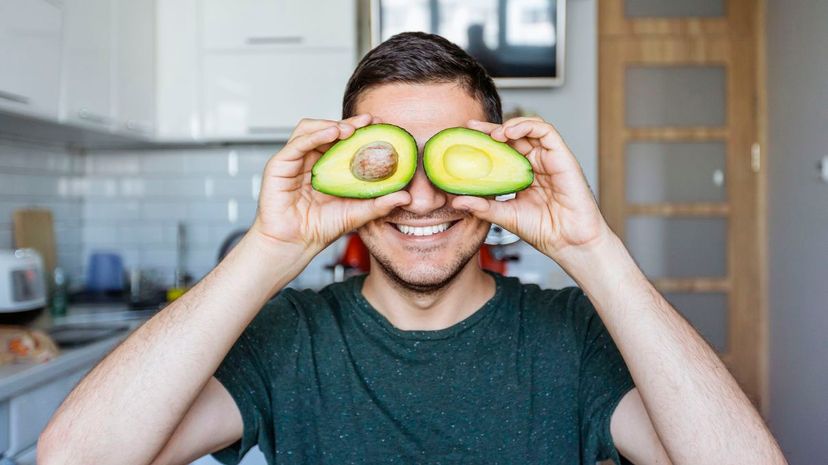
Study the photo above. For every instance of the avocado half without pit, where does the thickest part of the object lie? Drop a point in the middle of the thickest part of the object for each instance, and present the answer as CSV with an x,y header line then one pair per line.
x,y
376,160
468,162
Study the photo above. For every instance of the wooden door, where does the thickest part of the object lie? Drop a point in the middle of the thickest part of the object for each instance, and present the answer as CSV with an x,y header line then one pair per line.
x,y
681,178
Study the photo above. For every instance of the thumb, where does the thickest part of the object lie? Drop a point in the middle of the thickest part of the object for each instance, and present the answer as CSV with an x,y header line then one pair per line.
x,y
363,211
501,213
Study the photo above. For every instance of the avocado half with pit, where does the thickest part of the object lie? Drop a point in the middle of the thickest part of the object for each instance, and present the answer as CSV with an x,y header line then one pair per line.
x,y
376,160
468,162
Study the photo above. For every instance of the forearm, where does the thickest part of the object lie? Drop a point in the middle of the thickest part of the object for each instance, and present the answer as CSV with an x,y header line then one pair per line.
x,y
700,413
130,403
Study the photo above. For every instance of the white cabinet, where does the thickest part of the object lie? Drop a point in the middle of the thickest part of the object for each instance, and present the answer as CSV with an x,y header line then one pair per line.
x,y
135,66
265,64
30,411
250,69
177,71
30,34
264,95
88,44
28,457
278,24
109,65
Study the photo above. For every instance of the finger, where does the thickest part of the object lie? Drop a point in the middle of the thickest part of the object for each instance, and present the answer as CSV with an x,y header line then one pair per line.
x,y
360,120
544,132
520,119
523,146
346,130
363,211
492,211
300,146
308,125
482,126
487,127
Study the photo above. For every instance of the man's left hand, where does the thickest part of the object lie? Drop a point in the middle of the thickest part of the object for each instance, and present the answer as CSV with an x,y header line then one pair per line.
x,y
557,212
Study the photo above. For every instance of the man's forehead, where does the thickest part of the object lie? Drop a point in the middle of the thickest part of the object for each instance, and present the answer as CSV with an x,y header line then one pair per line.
x,y
421,109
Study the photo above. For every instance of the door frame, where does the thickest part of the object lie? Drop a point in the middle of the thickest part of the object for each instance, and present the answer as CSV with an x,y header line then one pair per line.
x,y
736,42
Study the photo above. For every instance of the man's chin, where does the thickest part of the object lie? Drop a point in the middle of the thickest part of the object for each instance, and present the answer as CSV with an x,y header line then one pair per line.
x,y
421,277
417,265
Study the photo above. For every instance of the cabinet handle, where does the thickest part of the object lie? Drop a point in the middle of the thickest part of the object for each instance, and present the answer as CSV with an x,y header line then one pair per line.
x,y
138,127
268,40
92,117
267,130
17,98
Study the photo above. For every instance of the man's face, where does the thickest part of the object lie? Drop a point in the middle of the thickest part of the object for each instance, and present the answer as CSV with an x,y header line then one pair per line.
x,y
420,259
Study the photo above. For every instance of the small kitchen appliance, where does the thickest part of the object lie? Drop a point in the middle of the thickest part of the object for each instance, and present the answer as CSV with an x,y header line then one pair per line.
x,y
22,287
493,255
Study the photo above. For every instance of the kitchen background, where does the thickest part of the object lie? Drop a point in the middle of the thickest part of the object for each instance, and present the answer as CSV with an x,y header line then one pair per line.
x,y
131,200
141,117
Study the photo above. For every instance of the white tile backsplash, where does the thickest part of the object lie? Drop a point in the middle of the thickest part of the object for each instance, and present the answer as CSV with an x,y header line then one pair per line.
x,y
130,202
6,238
136,198
43,176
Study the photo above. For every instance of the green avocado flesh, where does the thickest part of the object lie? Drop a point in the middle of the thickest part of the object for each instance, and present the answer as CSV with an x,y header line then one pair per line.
x,y
376,160
468,162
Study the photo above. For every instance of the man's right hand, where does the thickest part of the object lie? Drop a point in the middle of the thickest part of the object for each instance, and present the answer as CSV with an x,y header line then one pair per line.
x,y
178,350
291,213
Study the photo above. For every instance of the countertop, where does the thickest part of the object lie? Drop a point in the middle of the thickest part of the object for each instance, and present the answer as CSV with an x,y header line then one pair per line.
x,y
19,377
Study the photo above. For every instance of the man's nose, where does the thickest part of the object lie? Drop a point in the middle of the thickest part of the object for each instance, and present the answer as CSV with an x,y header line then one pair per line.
x,y
425,198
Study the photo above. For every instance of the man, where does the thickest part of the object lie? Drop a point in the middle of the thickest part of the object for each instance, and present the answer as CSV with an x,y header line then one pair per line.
x,y
428,359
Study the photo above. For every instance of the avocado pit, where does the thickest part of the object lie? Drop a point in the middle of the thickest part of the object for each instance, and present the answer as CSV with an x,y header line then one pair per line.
x,y
374,161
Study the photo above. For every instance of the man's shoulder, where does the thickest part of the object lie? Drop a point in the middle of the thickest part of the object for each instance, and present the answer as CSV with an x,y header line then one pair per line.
x,y
544,308
532,296
308,303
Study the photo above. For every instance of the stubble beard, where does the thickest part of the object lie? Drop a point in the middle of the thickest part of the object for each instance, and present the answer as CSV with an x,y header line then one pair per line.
x,y
429,282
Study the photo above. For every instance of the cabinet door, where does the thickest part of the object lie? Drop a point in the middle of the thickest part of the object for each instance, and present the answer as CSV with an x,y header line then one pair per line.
x,y
135,66
278,23
264,95
88,67
29,412
178,71
27,457
30,33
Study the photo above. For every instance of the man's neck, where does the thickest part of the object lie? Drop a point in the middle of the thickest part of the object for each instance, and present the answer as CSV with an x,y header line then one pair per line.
x,y
409,310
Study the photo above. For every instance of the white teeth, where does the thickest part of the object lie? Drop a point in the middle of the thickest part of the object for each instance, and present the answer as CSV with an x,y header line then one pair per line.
x,y
422,231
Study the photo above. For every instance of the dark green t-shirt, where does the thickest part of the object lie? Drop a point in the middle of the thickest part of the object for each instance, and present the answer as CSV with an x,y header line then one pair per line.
x,y
532,377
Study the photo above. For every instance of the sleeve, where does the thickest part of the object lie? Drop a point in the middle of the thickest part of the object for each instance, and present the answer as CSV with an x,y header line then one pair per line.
x,y
603,380
247,373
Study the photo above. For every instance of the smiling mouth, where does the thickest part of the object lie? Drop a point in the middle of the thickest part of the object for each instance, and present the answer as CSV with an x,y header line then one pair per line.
x,y
424,230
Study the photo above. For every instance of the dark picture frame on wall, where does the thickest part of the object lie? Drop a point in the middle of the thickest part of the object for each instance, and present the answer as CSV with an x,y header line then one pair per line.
x,y
521,43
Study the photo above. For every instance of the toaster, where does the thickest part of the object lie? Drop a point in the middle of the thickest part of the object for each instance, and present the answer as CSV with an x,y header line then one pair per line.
x,y
22,286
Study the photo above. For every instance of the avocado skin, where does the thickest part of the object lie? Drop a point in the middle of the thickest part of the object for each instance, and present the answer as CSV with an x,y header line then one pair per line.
x,y
486,187
403,142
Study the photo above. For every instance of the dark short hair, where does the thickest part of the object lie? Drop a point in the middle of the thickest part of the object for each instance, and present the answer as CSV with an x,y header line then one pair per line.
x,y
420,58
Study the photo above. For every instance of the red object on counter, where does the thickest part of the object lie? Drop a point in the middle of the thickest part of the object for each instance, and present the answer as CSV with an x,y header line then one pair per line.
x,y
356,254
489,262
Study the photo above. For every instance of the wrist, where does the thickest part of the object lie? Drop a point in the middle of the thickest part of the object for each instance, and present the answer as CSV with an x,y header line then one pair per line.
x,y
603,261
271,246
269,262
